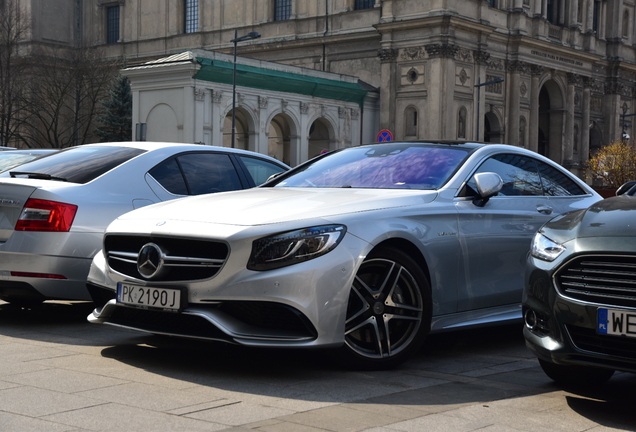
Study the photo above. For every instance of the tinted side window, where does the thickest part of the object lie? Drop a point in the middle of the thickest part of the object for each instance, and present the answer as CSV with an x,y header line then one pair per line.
x,y
209,173
556,183
169,175
519,174
259,169
80,164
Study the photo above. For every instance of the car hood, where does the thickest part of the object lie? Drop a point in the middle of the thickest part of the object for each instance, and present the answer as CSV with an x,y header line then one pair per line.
x,y
261,206
611,217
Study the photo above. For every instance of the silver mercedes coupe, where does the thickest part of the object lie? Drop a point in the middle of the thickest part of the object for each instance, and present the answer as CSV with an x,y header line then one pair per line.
x,y
365,250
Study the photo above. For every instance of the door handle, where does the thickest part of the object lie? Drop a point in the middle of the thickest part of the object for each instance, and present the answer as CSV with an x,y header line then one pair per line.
x,y
545,209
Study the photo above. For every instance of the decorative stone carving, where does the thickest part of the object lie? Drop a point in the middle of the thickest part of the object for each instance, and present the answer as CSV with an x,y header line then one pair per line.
x,y
199,94
413,53
481,57
355,114
388,54
217,95
262,102
464,54
575,79
496,87
304,108
283,104
442,50
523,89
463,76
342,112
496,64
517,66
536,70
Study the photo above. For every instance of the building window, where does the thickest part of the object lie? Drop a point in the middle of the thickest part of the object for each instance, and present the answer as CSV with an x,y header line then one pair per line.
x,y
282,10
364,4
112,24
410,122
492,3
191,16
461,123
625,25
596,17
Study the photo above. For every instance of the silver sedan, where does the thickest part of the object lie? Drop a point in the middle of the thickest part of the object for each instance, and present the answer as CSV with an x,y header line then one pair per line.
x,y
366,250
54,210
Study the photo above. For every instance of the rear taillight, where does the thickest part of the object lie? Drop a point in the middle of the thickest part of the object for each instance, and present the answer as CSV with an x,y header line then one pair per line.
x,y
42,215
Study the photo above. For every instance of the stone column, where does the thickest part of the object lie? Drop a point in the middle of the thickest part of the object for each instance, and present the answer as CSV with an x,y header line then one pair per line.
x,y
198,119
584,150
218,118
514,84
533,131
544,9
440,89
568,135
303,127
387,87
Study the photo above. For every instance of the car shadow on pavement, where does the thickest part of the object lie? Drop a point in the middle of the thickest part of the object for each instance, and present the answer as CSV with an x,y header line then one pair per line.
x,y
487,369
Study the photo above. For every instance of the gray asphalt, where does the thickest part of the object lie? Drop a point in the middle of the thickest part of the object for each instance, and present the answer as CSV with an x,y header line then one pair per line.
x,y
59,373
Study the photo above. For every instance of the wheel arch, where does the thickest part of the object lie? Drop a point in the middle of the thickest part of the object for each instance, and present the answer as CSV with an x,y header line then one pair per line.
x,y
408,247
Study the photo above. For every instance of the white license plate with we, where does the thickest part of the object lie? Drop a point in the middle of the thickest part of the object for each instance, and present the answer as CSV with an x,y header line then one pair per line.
x,y
149,297
616,322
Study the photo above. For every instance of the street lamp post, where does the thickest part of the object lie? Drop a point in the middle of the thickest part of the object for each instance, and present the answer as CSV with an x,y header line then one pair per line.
x,y
236,40
479,85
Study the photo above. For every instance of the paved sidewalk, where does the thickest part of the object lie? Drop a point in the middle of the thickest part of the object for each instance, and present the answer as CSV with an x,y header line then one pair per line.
x,y
59,373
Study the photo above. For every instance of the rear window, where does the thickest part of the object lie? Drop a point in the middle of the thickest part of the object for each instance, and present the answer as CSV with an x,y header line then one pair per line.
x,y
77,164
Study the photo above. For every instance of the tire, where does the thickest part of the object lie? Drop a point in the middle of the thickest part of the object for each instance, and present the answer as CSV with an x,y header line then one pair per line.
x,y
576,376
388,312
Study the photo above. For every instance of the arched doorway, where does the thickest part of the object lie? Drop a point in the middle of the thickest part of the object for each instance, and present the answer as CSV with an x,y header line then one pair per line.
x,y
492,128
279,138
550,121
320,138
242,135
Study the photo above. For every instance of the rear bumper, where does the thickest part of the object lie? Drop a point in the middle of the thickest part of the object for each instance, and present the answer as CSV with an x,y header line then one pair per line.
x,y
32,281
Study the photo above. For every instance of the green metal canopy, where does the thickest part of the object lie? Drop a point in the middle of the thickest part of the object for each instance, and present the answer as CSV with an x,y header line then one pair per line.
x,y
288,82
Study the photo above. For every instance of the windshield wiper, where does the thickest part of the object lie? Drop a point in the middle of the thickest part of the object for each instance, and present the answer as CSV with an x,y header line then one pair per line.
x,y
36,175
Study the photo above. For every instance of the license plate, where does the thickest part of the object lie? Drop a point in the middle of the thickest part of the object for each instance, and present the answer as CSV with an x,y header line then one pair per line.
x,y
149,297
616,322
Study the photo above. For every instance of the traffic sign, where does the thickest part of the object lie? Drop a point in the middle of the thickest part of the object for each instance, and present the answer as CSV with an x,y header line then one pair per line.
x,y
384,135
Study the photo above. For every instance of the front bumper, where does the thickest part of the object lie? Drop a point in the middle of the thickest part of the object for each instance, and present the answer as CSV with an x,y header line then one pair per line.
x,y
302,305
563,330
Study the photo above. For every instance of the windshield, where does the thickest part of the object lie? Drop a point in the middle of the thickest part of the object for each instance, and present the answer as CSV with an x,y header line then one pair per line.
x,y
76,164
395,166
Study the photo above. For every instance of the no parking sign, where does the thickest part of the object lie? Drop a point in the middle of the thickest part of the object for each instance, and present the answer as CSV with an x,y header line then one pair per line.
x,y
384,135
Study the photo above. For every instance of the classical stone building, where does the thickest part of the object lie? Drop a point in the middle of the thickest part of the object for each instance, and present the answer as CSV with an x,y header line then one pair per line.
x,y
290,113
555,76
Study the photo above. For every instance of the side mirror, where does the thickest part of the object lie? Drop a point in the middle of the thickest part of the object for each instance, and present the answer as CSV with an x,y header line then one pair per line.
x,y
488,185
625,187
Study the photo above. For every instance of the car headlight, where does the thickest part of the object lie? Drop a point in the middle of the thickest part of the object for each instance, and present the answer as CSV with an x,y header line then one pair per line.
x,y
545,249
293,247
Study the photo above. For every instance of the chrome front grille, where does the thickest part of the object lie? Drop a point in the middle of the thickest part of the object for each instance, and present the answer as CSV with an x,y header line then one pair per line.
x,y
181,259
605,279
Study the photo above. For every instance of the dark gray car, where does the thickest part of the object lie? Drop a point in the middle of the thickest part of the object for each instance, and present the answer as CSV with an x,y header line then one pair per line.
x,y
579,302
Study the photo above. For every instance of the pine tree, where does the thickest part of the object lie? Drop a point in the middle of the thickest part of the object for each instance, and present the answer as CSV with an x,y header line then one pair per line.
x,y
116,118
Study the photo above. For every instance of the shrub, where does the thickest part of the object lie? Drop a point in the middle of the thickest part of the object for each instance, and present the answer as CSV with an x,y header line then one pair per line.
x,y
614,164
